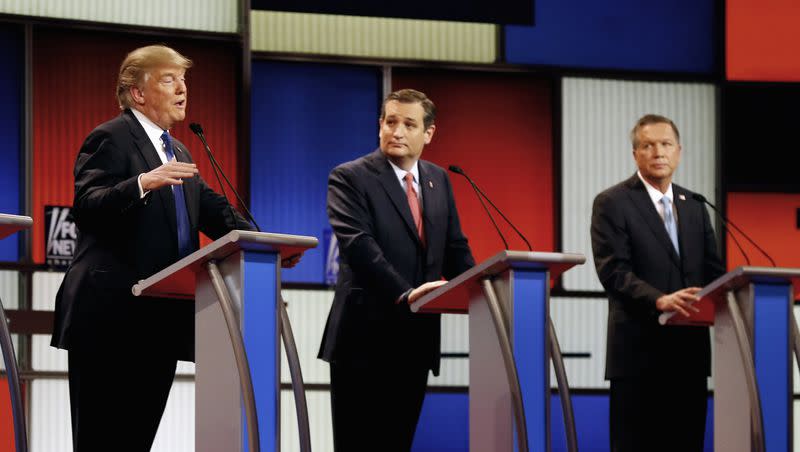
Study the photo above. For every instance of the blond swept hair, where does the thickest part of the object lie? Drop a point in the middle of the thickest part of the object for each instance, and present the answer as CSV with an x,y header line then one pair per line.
x,y
137,64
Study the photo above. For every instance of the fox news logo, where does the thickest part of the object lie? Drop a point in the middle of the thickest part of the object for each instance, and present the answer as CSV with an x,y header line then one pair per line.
x,y
61,235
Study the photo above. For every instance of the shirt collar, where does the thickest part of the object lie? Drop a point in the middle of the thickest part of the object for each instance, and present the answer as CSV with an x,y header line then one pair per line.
x,y
152,130
655,194
401,173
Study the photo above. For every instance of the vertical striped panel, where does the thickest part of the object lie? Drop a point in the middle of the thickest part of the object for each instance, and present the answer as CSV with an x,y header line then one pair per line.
x,y
49,419
66,108
9,295
455,339
580,325
204,15
43,356
373,37
308,311
176,431
306,119
11,84
596,152
320,423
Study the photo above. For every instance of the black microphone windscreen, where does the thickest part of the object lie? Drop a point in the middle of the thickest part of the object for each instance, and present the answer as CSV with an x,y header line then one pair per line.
x,y
698,197
456,169
196,128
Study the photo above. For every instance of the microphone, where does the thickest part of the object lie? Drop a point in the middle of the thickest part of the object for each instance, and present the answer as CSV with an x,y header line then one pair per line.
x,y
458,170
481,195
198,130
700,198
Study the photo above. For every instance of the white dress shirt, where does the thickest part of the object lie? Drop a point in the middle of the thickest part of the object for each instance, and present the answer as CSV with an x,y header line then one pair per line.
x,y
154,133
401,175
656,195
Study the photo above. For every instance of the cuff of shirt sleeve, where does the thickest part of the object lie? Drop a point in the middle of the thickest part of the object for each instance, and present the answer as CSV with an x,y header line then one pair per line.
x,y
403,298
142,193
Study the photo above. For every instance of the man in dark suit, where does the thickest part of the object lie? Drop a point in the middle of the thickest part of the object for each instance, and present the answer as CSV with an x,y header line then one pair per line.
x,y
653,247
398,230
139,205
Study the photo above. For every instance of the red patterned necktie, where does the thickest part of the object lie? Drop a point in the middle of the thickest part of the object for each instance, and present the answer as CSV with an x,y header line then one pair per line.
x,y
416,209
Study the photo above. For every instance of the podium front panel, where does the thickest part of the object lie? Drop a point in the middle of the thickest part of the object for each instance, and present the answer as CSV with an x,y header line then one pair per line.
x,y
262,341
773,359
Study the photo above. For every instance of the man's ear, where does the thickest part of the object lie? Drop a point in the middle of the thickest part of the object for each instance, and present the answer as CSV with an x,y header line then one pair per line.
x,y
429,133
137,94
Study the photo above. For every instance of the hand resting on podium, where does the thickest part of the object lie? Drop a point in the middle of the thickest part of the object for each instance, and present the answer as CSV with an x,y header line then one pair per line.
x,y
680,301
424,289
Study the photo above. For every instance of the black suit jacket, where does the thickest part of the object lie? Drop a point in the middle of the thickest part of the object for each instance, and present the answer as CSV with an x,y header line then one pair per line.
x,y
124,238
636,264
381,257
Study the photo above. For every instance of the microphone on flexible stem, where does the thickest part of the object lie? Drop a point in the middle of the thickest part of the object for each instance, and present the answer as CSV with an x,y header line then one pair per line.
x,y
198,130
458,170
726,221
481,195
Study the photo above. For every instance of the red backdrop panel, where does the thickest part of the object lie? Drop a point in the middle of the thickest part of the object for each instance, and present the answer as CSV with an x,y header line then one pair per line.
x,y
6,419
770,219
498,128
762,40
74,80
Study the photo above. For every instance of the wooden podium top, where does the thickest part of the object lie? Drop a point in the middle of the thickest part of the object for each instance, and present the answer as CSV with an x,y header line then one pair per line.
x,y
178,280
10,224
716,291
453,297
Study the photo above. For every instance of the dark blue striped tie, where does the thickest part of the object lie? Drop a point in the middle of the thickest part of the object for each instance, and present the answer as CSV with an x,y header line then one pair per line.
x,y
181,215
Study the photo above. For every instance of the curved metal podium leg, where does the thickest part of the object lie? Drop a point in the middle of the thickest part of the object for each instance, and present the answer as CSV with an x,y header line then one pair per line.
x,y
748,363
511,367
563,388
240,355
795,337
298,385
10,359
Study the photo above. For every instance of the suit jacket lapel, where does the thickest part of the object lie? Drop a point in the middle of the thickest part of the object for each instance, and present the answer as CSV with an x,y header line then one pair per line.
x,y
152,160
645,207
431,204
391,186
684,220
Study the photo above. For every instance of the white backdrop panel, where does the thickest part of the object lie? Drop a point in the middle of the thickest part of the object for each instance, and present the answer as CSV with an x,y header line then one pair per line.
x,y
596,151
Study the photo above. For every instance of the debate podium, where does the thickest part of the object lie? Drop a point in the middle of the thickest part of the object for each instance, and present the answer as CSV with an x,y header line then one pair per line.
x,y
235,283
511,340
751,311
11,224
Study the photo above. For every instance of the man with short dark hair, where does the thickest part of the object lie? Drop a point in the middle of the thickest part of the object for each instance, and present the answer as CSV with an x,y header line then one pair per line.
x,y
398,231
139,205
654,248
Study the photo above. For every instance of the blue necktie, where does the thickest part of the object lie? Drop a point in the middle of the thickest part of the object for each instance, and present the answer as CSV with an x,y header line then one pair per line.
x,y
669,223
181,215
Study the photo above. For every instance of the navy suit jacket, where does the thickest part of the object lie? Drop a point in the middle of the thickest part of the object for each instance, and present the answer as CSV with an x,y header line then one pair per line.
x,y
124,238
381,257
637,263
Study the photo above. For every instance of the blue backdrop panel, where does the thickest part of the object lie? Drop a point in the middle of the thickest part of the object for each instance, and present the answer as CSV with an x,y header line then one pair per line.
x,y
306,119
677,36
10,132
444,423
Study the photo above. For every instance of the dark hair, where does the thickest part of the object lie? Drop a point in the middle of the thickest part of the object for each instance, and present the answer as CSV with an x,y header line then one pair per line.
x,y
412,96
649,119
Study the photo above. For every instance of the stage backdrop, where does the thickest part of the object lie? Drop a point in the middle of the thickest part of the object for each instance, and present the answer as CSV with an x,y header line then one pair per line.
x,y
498,129
74,86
